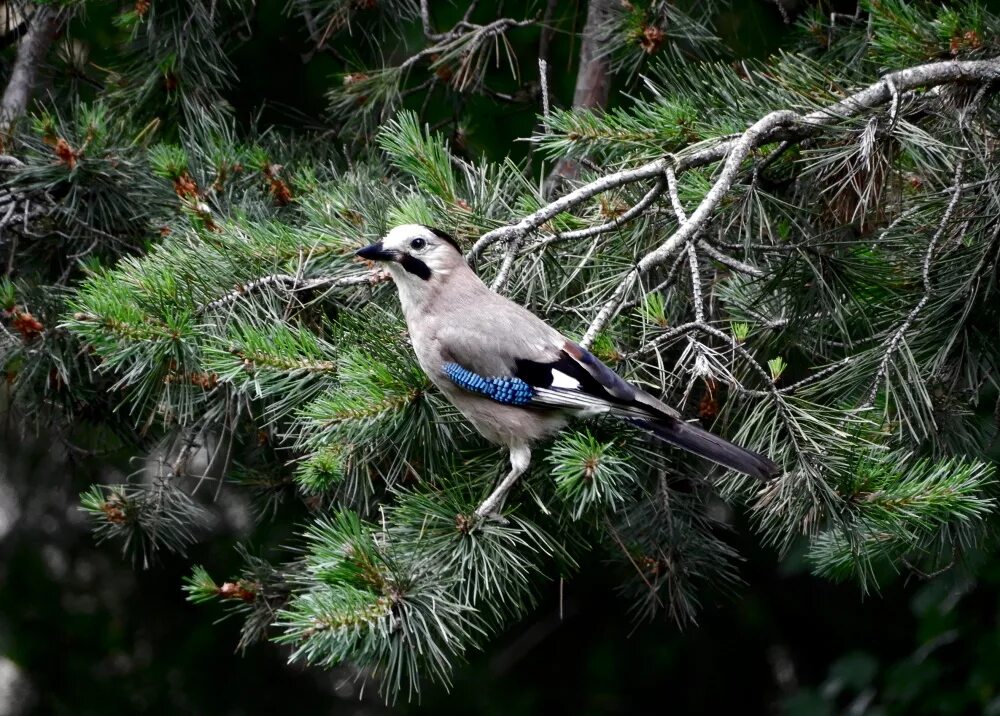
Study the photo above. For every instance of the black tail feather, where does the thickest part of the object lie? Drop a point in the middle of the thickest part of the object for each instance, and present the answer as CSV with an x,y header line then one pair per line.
x,y
711,447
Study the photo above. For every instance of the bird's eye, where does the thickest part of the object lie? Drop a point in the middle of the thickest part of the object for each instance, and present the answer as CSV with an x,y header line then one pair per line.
x,y
418,244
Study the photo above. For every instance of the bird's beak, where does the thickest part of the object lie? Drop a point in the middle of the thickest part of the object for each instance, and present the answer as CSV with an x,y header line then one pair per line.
x,y
375,252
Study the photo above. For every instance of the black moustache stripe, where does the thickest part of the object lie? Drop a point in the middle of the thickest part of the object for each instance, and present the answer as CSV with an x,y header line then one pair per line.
x,y
415,266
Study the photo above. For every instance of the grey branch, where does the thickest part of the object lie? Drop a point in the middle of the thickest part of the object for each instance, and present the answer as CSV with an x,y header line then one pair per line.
x,y
626,216
425,18
900,333
292,283
692,253
699,302
725,260
31,52
533,221
505,267
700,326
463,34
700,155
675,199
687,230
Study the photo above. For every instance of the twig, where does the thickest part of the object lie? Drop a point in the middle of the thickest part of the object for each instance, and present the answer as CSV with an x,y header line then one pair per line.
x,y
699,155
425,19
294,284
687,230
894,107
770,159
727,260
450,40
748,357
624,549
675,200
899,334
699,307
722,258
505,267
666,337
543,77
671,275
536,219
810,379
626,216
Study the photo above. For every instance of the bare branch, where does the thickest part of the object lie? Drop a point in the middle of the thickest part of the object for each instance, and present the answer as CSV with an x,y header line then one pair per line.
x,y
900,333
293,283
425,19
699,155
669,279
505,267
665,337
699,304
727,260
543,78
536,219
675,199
626,216
687,230
722,258
465,34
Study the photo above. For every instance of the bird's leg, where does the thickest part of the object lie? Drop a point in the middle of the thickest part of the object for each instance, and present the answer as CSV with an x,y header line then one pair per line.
x,y
520,458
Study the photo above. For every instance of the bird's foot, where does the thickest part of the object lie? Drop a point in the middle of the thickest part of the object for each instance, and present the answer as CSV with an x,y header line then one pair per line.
x,y
490,508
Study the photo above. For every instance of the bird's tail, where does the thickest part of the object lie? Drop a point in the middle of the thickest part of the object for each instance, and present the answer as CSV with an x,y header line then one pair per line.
x,y
709,446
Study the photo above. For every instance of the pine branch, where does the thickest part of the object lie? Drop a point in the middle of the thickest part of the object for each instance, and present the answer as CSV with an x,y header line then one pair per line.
x,y
293,284
900,333
782,123
688,229
776,129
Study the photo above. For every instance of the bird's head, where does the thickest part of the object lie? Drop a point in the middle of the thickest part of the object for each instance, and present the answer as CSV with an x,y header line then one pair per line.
x,y
417,256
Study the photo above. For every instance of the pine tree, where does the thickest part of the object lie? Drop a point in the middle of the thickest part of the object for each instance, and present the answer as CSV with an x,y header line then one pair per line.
x,y
799,252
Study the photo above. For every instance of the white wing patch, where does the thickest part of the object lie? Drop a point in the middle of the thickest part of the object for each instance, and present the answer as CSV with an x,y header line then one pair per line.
x,y
566,382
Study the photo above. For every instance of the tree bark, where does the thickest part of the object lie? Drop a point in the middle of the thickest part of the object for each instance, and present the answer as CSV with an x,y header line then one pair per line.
x,y
593,81
593,77
31,52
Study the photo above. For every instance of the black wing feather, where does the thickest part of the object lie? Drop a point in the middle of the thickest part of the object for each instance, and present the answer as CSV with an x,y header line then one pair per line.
x,y
599,386
594,378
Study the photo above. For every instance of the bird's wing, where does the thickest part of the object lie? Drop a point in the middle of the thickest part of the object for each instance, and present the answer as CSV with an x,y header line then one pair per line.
x,y
567,376
491,340
600,386
561,373
500,339
577,379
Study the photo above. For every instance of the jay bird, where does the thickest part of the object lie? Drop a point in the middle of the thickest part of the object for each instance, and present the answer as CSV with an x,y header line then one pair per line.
x,y
514,377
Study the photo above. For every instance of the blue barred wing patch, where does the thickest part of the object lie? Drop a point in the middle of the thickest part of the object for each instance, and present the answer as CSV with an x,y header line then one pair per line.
x,y
507,390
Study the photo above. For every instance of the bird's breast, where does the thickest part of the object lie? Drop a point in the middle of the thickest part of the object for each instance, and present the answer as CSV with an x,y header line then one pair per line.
x,y
505,424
